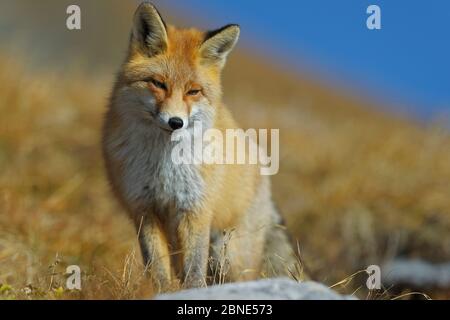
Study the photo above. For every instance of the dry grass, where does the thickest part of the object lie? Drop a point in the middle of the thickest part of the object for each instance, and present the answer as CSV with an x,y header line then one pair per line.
x,y
356,186
54,201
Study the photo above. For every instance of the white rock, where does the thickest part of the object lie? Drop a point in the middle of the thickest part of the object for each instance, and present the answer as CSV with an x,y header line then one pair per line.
x,y
267,289
416,273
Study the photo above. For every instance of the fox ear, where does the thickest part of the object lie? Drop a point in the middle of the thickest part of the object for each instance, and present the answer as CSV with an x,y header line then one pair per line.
x,y
149,30
219,43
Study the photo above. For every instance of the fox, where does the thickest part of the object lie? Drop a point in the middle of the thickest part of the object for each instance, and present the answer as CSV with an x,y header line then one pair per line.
x,y
195,223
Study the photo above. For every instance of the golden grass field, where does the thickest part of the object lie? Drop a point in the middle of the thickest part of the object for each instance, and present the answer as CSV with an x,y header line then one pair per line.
x,y
356,186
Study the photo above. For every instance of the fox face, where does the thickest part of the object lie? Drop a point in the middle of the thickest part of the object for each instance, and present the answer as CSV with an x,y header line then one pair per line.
x,y
171,77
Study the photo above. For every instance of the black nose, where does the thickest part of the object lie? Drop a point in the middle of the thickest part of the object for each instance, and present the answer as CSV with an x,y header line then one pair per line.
x,y
175,123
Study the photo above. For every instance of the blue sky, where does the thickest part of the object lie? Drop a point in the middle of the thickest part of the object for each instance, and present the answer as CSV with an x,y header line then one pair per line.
x,y
406,63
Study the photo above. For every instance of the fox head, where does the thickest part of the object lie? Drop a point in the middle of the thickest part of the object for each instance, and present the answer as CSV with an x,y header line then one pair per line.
x,y
171,76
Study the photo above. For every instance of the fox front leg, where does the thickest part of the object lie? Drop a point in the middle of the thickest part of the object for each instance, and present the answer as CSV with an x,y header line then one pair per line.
x,y
193,237
155,252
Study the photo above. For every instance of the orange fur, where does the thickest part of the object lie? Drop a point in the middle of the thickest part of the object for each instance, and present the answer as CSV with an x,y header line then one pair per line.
x,y
234,197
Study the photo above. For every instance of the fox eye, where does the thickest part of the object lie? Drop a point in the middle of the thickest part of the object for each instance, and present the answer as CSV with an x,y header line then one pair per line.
x,y
193,92
158,84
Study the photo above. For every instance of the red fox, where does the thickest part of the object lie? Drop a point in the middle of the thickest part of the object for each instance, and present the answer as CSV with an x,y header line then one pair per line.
x,y
190,218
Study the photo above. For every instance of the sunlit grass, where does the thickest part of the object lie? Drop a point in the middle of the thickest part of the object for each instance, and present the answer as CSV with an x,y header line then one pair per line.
x,y
355,186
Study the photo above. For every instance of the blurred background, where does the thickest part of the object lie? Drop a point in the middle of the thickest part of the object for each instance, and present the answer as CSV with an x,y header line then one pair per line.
x,y
364,128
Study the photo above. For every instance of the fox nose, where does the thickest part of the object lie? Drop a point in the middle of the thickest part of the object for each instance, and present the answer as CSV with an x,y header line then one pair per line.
x,y
175,123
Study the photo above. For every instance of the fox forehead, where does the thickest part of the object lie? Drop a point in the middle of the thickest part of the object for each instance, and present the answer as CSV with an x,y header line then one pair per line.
x,y
184,42
180,63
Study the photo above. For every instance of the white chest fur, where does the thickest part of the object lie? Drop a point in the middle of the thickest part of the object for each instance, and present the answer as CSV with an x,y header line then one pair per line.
x,y
149,176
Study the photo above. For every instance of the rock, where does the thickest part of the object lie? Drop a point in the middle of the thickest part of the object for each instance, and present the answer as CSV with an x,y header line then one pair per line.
x,y
417,274
267,289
